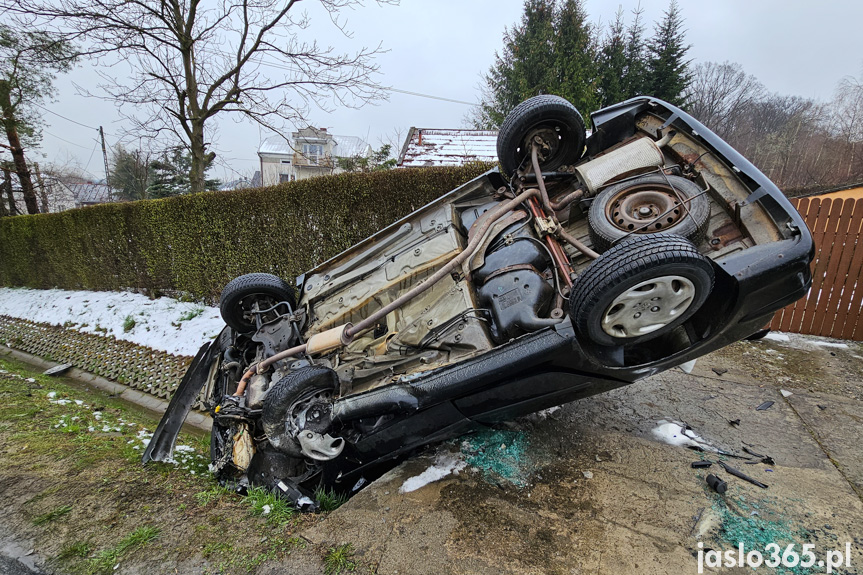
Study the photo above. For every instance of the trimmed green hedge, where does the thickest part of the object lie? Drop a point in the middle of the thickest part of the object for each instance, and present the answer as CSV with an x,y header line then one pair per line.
x,y
197,243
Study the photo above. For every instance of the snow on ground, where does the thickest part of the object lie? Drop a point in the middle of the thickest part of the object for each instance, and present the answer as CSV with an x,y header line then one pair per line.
x,y
674,433
445,464
166,324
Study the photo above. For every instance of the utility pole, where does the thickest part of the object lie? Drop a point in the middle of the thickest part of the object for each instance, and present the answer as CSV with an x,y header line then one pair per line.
x,y
104,154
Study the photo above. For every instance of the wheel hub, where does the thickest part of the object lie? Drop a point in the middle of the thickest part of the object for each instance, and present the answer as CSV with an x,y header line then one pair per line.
x,y
645,209
648,306
548,140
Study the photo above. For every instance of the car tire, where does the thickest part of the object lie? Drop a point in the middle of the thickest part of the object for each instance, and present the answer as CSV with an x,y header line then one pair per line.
x,y
290,394
640,289
241,293
541,115
622,208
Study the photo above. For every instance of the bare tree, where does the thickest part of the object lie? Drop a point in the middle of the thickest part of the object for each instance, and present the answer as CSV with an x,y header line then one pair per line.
x,y
719,93
847,120
193,61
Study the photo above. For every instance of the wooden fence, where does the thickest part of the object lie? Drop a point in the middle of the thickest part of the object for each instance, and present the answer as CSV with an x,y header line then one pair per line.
x,y
834,305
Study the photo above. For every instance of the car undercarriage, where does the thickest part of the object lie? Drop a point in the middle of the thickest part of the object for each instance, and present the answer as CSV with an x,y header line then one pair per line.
x,y
581,265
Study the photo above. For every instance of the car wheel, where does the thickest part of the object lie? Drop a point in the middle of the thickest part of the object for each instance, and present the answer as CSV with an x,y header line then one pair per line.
x,y
554,120
301,402
652,204
640,289
241,296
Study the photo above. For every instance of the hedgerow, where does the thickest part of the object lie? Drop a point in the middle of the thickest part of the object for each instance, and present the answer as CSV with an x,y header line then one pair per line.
x,y
195,244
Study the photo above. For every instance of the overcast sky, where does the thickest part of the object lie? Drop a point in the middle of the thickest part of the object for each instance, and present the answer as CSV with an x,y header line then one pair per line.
x,y
442,48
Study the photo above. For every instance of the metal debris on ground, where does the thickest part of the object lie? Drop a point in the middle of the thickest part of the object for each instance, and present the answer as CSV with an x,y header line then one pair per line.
x,y
701,464
719,370
716,484
57,369
765,405
741,475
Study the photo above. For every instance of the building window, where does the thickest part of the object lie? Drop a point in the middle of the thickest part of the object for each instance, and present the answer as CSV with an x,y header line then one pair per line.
x,y
313,152
284,178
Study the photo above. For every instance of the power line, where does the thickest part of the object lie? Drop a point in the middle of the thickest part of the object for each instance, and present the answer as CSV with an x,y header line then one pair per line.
x,y
63,139
390,89
430,96
64,117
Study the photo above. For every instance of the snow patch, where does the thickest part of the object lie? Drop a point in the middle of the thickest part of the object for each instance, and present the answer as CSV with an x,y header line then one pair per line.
x,y
777,337
829,344
444,465
165,324
674,433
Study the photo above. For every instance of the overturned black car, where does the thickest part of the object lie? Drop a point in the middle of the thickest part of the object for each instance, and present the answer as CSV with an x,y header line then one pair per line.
x,y
584,264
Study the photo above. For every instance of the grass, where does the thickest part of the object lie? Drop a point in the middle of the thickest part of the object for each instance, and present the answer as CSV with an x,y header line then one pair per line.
x,y
105,560
191,314
76,549
52,515
128,324
214,493
265,503
329,500
339,559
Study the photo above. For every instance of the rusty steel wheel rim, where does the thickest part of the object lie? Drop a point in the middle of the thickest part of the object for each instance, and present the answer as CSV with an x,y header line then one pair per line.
x,y
645,209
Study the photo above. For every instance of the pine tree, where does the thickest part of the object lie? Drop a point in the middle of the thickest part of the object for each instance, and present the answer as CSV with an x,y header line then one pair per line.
x,y
668,68
170,175
612,64
576,57
635,70
524,68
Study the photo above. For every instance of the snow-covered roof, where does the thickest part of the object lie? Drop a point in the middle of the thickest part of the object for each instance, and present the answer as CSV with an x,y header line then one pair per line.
x,y
276,145
348,146
428,147
92,193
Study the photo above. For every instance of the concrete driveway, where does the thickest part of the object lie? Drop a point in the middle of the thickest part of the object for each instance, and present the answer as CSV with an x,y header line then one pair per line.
x,y
590,488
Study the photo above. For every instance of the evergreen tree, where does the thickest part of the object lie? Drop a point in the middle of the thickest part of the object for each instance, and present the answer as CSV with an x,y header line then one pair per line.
x,y
170,175
668,68
524,68
575,55
635,69
130,173
612,64
378,161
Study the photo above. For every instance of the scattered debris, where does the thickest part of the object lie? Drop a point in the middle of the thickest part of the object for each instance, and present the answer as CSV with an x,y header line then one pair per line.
x,y
57,369
499,455
821,407
701,464
716,484
734,422
785,393
587,474
719,370
741,475
750,452
764,406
